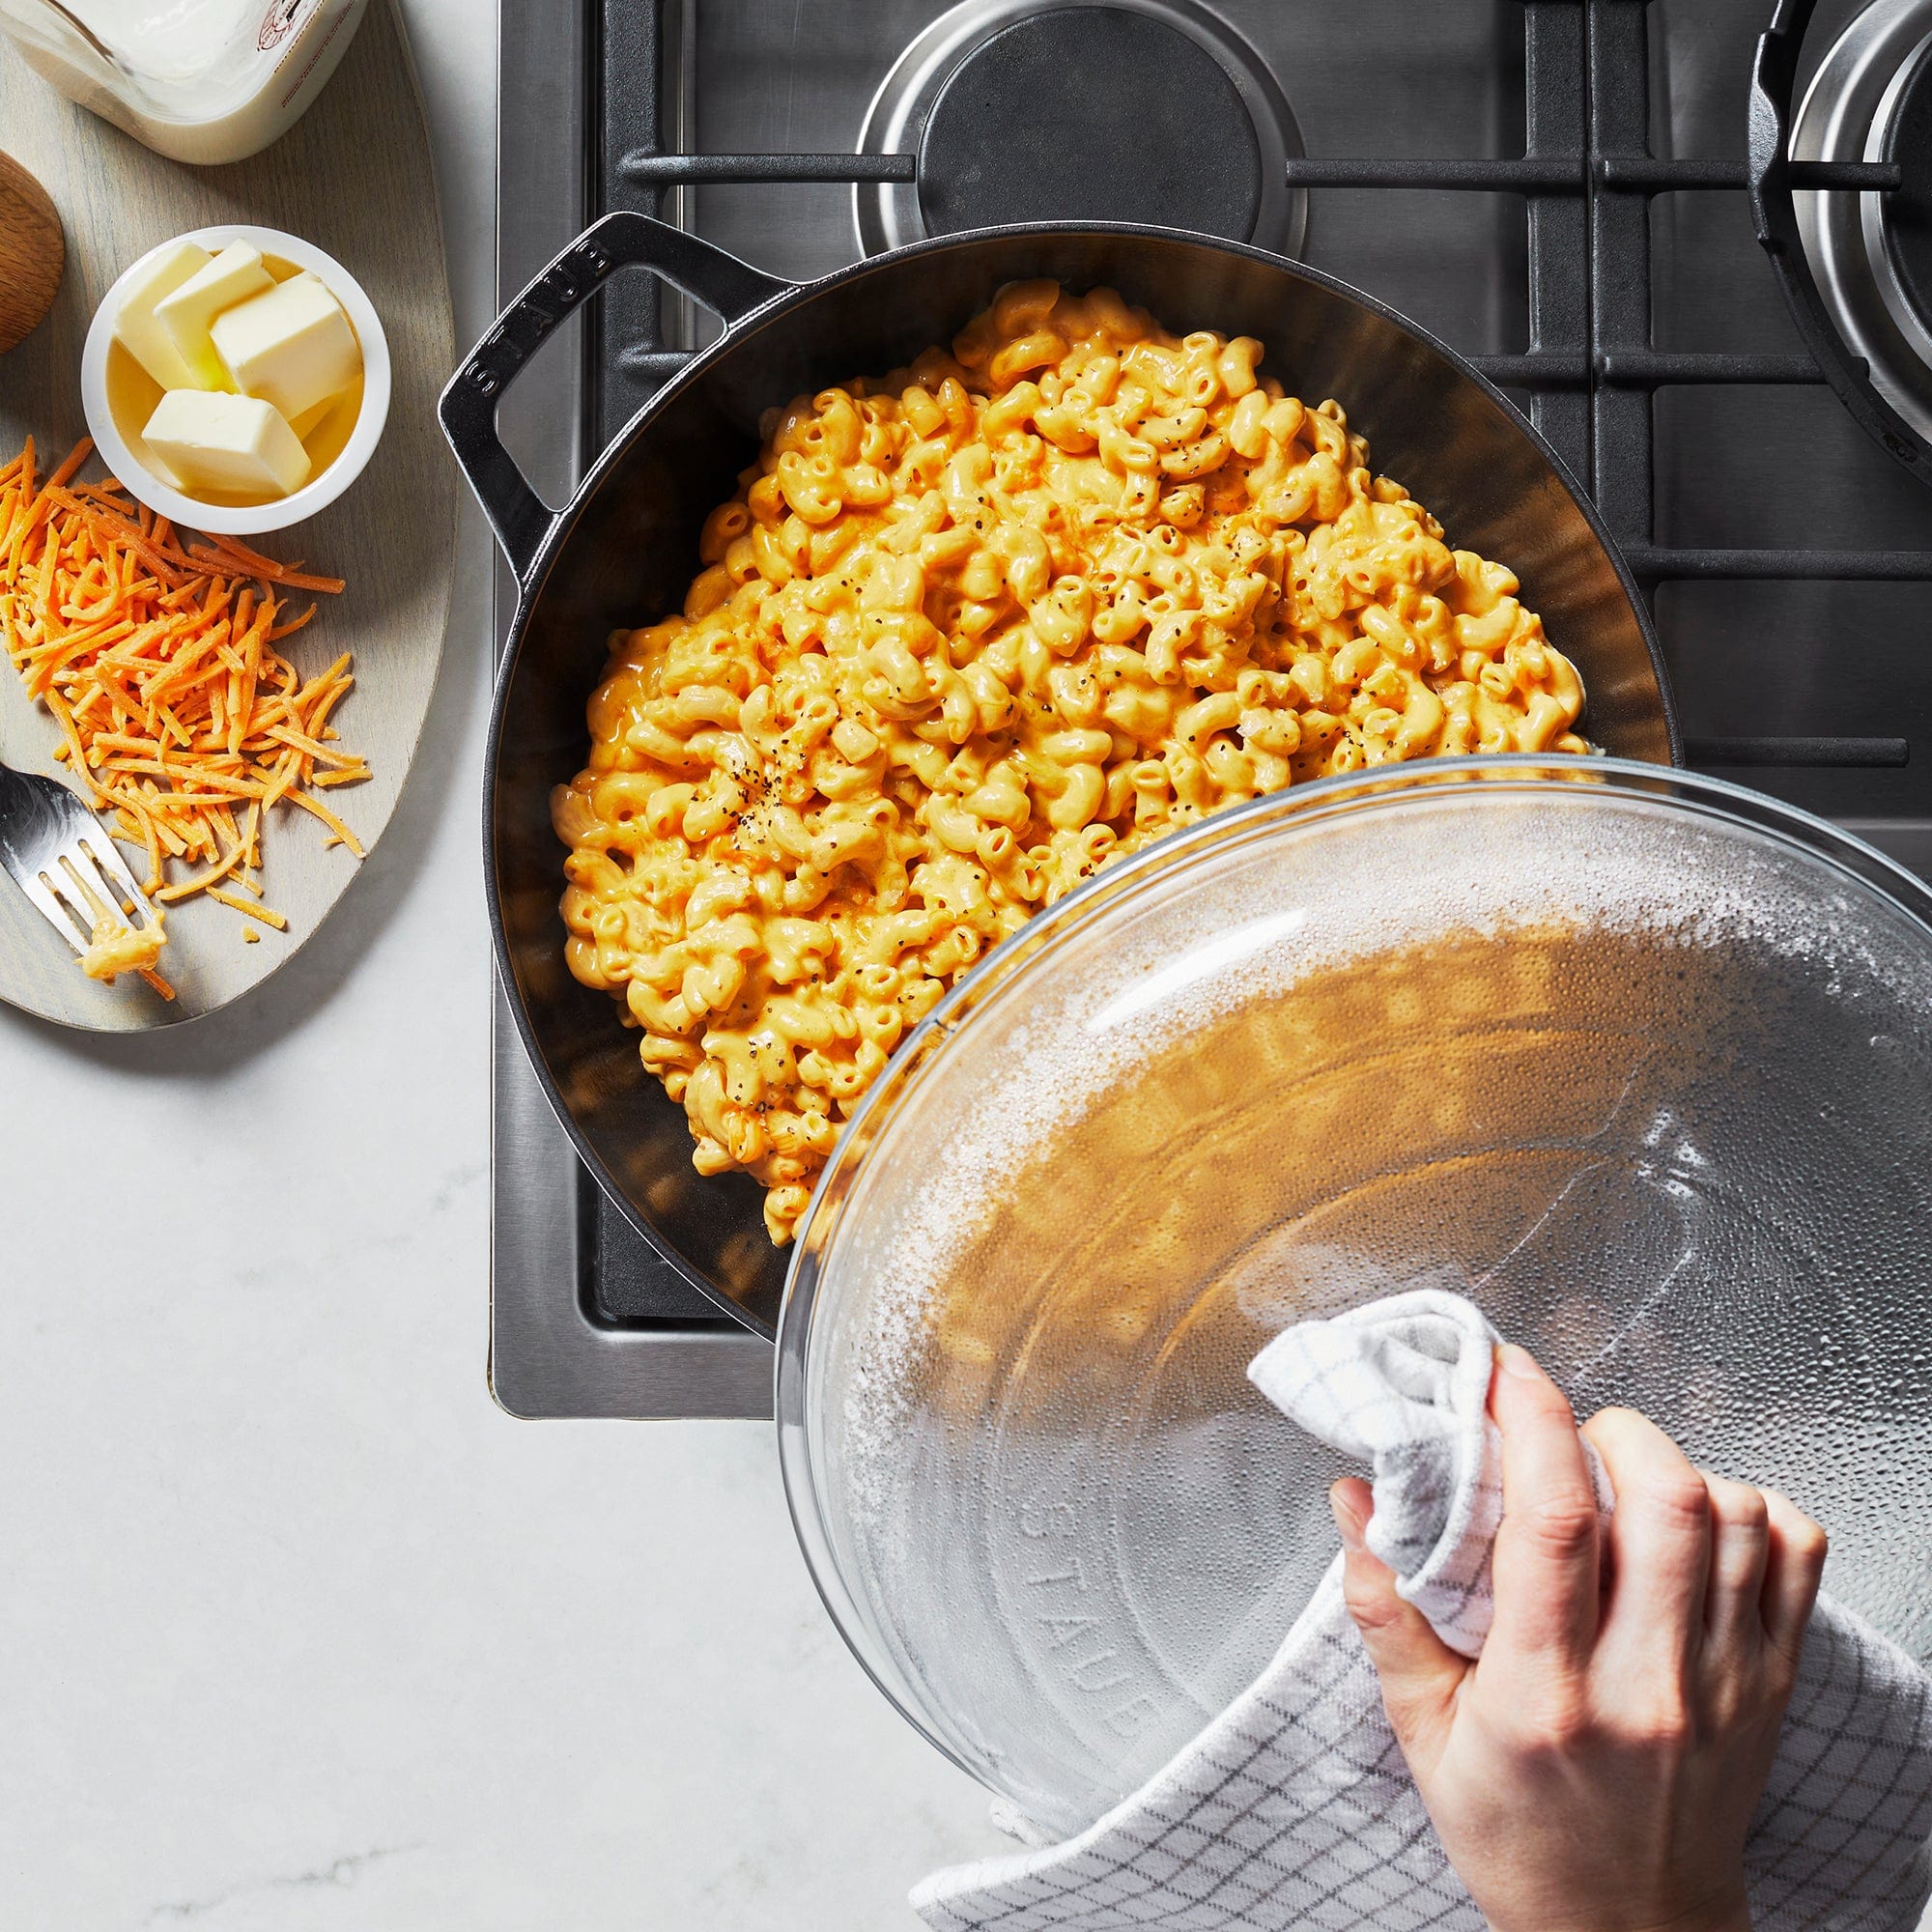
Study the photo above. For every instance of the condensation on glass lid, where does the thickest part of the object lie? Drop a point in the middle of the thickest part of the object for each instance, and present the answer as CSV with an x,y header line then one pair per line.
x,y
1651,1084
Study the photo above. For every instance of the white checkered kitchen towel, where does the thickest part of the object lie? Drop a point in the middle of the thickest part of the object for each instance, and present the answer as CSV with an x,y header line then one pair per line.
x,y
1295,1808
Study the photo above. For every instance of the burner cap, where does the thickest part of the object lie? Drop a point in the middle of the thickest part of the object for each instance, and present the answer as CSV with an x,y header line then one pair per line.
x,y
1908,212
1091,113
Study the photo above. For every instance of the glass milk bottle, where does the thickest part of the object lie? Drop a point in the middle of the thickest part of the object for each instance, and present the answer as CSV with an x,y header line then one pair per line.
x,y
197,81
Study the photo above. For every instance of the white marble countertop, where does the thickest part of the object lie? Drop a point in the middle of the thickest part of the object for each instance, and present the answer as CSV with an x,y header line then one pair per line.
x,y
296,1629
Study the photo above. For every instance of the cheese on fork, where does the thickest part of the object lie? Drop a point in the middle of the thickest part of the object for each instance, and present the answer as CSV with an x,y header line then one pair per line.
x,y
232,277
233,445
137,328
116,947
291,345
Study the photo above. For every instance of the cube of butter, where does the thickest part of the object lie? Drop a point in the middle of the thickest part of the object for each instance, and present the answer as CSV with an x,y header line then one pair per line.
x,y
230,445
139,331
232,277
291,345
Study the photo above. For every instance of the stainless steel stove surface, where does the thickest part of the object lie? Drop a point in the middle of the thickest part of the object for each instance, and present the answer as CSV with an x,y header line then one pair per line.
x,y
1629,309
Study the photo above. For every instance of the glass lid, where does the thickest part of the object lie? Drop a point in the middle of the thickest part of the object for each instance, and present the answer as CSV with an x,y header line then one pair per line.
x,y
1640,1061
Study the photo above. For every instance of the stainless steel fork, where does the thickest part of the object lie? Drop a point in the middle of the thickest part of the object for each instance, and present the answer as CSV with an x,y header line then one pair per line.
x,y
64,859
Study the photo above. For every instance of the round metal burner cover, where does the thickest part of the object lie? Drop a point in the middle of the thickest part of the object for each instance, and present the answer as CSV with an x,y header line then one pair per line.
x,y
1091,114
1908,212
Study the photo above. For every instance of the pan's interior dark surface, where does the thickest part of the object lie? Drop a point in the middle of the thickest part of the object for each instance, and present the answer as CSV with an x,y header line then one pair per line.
x,y
631,549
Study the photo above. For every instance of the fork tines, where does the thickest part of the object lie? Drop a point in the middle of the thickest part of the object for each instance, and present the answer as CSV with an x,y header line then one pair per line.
x,y
72,884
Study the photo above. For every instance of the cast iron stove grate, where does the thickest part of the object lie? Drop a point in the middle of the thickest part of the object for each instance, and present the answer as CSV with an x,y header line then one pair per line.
x,y
1590,373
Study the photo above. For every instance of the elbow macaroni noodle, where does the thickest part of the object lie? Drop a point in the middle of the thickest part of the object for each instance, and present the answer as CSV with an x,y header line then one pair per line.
x,y
961,636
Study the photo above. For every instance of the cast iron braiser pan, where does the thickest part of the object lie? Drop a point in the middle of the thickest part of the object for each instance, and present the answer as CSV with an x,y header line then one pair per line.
x,y
623,551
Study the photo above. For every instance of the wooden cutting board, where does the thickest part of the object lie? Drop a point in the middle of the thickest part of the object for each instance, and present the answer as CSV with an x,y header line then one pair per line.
x,y
353,177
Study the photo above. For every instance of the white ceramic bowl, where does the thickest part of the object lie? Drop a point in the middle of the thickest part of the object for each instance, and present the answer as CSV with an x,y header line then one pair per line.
x,y
226,519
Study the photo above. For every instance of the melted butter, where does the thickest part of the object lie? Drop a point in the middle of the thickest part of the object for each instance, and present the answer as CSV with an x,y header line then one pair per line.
x,y
132,394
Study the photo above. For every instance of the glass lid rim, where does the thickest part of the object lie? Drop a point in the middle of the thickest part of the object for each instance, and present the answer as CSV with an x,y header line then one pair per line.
x,y
1853,858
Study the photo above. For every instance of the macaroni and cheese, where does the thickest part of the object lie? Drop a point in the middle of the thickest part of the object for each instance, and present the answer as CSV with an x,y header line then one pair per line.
x,y
964,635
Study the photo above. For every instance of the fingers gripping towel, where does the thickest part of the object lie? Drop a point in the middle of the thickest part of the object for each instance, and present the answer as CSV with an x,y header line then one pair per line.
x,y
1403,1385
1295,1808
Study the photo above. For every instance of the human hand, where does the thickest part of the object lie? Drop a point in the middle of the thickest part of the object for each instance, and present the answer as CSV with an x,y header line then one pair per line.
x,y
1597,1768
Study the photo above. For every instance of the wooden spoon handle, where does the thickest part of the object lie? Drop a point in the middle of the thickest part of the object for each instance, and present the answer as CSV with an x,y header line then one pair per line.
x,y
33,253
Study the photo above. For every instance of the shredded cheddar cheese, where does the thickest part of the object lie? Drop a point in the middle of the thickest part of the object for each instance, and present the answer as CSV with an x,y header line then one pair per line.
x,y
158,658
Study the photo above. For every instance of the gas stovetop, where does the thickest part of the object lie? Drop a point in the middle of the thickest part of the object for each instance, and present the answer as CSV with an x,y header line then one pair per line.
x,y
1558,188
